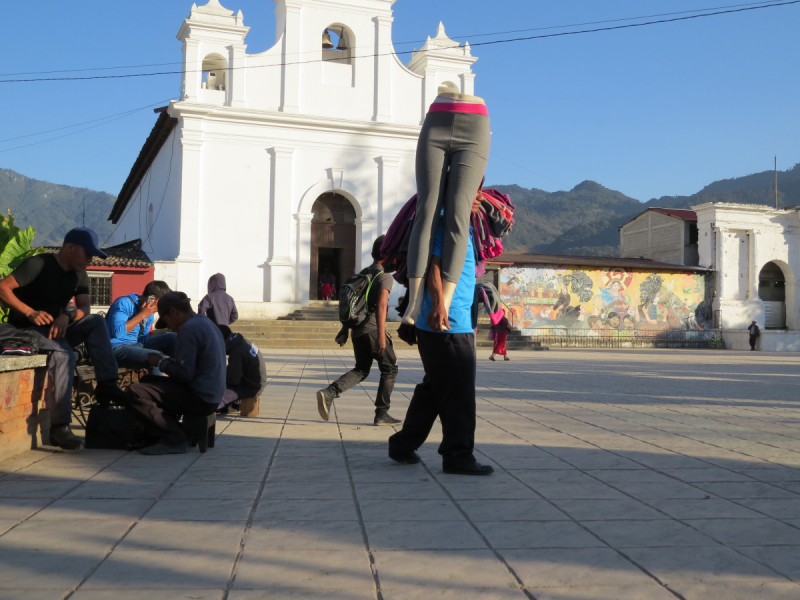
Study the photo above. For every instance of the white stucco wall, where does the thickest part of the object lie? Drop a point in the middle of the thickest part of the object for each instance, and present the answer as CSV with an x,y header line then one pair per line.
x,y
251,160
737,240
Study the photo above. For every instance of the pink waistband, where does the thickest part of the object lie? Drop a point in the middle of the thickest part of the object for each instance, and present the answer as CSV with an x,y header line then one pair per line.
x,y
459,107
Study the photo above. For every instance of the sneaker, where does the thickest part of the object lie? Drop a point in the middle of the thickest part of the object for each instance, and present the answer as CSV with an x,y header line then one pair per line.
x,y
165,448
411,458
474,468
325,398
62,436
109,391
384,418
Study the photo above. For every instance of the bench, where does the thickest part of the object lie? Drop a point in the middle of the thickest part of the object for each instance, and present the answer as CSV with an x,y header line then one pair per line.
x,y
84,382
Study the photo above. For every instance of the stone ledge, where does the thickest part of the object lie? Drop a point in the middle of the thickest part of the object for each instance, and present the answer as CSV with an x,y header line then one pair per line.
x,y
20,363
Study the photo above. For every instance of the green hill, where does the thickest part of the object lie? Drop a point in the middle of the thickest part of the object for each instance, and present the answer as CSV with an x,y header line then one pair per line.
x,y
53,209
585,220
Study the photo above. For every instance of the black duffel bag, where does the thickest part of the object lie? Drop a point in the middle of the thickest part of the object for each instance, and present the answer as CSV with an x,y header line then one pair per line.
x,y
111,427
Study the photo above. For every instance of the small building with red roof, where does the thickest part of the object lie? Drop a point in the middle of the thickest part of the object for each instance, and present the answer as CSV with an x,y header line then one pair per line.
x,y
661,234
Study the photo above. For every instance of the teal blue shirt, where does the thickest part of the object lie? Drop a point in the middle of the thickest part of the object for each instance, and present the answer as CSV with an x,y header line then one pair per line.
x,y
460,315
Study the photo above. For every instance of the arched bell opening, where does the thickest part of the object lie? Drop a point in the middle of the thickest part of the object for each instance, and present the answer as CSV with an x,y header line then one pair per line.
x,y
215,73
772,292
333,244
338,42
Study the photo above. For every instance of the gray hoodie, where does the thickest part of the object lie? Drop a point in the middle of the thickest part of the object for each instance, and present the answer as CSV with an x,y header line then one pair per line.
x,y
217,305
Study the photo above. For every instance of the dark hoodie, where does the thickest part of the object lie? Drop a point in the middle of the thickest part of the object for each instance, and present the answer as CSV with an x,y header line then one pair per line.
x,y
217,305
245,364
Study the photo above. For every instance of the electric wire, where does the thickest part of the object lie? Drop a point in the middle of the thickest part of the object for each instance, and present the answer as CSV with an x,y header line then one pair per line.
x,y
124,113
58,137
405,52
472,35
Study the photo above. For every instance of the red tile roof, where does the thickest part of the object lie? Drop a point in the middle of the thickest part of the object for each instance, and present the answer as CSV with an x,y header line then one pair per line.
x,y
128,254
603,262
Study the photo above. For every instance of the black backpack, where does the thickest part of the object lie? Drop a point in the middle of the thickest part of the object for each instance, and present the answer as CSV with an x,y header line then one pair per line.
x,y
353,306
112,427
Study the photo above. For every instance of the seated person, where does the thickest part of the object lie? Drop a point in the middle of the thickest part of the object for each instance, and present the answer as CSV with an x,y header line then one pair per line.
x,y
196,377
129,322
247,372
218,305
38,293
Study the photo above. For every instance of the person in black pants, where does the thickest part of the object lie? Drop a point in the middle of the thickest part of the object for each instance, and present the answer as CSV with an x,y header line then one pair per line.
x,y
754,333
195,382
447,348
38,293
370,342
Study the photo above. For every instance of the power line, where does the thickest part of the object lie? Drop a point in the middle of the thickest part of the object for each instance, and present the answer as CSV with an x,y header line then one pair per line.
x,y
125,113
762,4
58,137
487,43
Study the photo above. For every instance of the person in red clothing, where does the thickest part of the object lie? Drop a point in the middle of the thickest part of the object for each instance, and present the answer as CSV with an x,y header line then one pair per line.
x,y
500,332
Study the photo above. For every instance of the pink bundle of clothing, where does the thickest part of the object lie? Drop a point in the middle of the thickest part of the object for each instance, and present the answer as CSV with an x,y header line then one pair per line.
x,y
491,223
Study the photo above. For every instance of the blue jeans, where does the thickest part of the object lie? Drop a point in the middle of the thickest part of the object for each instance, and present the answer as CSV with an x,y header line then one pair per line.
x,y
134,356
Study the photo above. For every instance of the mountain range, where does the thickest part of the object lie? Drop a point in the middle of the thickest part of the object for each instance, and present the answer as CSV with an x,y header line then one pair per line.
x,y
585,220
582,221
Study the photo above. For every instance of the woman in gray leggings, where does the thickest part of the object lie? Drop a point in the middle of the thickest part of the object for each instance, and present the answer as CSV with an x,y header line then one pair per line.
x,y
452,153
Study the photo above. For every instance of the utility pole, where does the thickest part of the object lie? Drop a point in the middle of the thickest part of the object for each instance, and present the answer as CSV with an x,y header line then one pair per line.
x,y
776,182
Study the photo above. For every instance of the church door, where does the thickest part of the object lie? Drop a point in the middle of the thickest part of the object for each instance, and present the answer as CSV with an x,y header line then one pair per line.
x,y
333,243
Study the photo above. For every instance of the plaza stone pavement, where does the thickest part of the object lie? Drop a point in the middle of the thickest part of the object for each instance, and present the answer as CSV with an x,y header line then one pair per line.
x,y
621,475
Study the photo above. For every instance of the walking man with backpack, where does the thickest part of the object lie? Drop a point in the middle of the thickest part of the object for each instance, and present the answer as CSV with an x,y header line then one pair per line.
x,y
363,307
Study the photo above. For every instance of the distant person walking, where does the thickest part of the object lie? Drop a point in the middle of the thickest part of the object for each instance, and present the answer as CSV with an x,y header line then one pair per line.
x,y
500,332
217,305
754,333
370,342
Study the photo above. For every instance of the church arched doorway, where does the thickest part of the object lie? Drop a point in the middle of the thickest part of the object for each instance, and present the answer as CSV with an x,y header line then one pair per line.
x,y
772,291
333,243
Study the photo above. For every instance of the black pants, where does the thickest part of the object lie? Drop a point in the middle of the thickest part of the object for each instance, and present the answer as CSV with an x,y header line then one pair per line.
x,y
160,401
91,331
447,392
753,339
365,347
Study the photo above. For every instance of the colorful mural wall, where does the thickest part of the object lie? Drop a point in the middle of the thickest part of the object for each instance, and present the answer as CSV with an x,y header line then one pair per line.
x,y
598,301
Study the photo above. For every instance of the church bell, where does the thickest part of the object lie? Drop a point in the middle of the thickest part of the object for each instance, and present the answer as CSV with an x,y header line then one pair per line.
x,y
327,44
342,44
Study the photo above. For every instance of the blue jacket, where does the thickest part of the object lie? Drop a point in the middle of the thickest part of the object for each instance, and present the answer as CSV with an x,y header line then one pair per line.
x,y
123,310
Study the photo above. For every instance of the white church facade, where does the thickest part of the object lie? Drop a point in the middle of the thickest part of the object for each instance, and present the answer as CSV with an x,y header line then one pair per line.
x,y
273,168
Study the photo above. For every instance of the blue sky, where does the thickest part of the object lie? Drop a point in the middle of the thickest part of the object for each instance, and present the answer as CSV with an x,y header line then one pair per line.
x,y
659,110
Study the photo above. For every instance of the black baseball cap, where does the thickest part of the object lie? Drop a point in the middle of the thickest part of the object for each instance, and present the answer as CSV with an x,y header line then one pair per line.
x,y
86,239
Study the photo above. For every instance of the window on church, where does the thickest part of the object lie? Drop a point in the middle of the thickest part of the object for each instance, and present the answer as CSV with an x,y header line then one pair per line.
x,y
215,72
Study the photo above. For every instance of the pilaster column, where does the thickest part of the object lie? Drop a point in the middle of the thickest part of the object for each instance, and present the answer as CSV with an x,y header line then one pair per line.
x,y
468,83
429,90
280,263
290,101
365,231
236,60
188,259
383,69
303,267
192,67
388,183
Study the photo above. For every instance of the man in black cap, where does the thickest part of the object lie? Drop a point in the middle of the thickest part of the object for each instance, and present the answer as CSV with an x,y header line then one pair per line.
x,y
39,292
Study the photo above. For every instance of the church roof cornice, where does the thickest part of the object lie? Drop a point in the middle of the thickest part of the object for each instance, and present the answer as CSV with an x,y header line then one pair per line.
x,y
292,120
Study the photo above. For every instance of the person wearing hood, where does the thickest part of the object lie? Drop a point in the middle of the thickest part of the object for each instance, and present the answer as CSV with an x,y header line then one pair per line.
x,y
246,376
217,305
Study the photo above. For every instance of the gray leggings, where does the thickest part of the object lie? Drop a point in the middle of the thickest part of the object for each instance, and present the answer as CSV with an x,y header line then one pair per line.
x,y
452,153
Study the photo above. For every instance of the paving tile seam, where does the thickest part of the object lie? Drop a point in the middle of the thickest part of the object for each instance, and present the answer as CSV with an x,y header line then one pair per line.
x,y
373,566
694,425
641,500
251,516
133,524
639,424
623,435
580,524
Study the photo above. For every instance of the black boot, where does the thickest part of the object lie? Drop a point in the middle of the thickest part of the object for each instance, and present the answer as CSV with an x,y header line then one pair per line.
x,y
109,391
382,417
62,436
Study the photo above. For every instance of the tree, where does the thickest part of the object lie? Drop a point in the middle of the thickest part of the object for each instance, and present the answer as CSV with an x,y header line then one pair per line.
x,y
15,247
